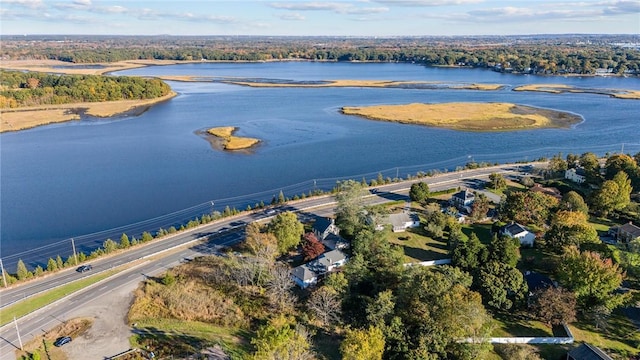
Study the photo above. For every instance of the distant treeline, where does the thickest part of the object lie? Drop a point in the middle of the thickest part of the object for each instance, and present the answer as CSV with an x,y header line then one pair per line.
x,y
18,89
568,54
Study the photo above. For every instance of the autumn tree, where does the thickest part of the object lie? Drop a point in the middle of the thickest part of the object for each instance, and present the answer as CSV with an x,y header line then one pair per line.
x,y
261,243
591,165
419,192
591,278
604,199
528,207
570,228
619,162
325,305
311,247
287,229
363,344
480,207
554,306
557,164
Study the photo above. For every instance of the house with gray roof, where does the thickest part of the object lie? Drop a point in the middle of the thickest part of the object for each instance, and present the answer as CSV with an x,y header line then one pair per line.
x,y
404,220
577,175
517,231
626,232
328,261
587,352
463,200
323,226
303,276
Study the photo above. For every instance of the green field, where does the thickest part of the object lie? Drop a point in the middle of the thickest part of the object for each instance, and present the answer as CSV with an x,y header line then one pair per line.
x,y
417,246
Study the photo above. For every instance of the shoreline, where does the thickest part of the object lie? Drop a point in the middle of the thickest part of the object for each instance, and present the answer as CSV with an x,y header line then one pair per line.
x,y
61,67
30,117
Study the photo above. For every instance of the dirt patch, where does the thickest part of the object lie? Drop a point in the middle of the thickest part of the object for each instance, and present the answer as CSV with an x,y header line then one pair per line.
x,y
43,344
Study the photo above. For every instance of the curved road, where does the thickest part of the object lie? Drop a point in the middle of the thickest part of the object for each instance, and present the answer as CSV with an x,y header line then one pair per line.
x,y
157,256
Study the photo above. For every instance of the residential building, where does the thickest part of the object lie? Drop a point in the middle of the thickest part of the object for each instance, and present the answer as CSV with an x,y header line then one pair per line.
x,y
303,276
404,220
551,191
577,175
323,226
463,200
328,261
333,241
587,352
519,232
626,232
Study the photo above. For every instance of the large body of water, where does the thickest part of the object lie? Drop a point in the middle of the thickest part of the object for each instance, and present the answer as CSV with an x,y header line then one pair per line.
x,y
77,178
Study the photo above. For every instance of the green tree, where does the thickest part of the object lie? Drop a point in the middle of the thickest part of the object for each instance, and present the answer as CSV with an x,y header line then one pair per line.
x,y
21,271
591,165
287,229
363,344
501,285
557,164
470,254
604,200
572,201
350,216
505,250
52,265
124,241
591,278
570,228
623,197
59,262
528,207
109,246
281,339
146,236
281,198
419,192
497,181
617,163
480,207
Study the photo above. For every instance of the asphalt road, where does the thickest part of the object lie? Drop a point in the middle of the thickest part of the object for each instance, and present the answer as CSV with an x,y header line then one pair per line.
x,y
157,256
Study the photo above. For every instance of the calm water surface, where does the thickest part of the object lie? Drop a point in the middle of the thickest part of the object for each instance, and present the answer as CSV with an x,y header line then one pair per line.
x,y
82,177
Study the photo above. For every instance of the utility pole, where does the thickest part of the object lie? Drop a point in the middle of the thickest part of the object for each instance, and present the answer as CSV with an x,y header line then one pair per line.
x,y
4,276
75,256
397,172
18,332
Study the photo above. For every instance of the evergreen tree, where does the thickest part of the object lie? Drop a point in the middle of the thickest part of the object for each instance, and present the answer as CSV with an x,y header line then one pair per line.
x,y
21,270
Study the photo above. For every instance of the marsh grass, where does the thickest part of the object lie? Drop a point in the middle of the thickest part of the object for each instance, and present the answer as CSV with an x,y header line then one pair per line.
x,y
355,83
468,116
231,142
560,88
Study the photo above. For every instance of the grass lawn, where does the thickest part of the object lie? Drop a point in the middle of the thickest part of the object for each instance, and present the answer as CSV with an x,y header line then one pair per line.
x,y
621,338
417,245
189,337
36,302
518,324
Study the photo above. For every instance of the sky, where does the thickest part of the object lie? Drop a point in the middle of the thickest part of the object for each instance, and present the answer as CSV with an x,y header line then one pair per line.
x,y
318,18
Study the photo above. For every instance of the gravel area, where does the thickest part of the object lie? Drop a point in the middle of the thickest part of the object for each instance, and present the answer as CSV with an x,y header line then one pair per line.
x,y
110,333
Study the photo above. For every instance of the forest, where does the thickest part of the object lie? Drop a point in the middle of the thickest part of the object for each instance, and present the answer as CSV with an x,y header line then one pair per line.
x,y
561,54
21,89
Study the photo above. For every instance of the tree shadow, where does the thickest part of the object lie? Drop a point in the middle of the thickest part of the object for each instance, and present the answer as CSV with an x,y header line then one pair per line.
x,y
423,254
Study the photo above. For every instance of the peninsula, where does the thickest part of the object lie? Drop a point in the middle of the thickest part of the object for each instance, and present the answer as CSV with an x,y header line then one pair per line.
x,y
468,116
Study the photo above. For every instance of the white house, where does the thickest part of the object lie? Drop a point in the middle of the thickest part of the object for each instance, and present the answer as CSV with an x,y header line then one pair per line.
x,y
328,261
577,175
519,232
303,276
404,220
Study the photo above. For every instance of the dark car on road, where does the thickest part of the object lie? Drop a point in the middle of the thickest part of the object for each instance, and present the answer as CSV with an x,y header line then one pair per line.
x,y
61,341
84,268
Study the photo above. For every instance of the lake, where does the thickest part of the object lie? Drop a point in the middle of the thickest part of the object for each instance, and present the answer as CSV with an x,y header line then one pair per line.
x,y
89,179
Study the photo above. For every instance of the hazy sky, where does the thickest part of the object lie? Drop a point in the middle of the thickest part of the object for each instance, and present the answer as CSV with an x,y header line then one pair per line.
x,y
301,17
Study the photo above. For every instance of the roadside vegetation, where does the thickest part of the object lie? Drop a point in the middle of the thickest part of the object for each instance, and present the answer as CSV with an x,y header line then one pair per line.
x,y
41,346
468,116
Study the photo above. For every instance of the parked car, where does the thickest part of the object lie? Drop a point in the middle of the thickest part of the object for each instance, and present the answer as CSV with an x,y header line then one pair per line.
x,y
84,268
61,341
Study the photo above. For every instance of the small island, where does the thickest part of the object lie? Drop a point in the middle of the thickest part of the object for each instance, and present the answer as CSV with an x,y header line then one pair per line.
x,y
469,116
229,142
561,89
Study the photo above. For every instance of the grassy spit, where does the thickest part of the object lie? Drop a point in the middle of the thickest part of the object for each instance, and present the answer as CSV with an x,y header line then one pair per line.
x,y
231,142
559,89
468,116
30,117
